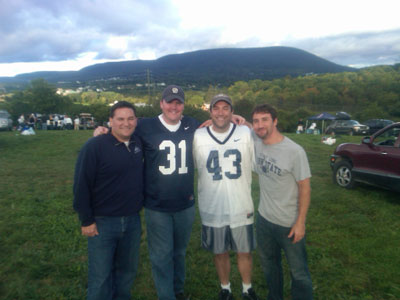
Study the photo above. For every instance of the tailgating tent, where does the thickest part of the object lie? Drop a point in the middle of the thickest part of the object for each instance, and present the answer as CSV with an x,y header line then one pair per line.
x,y
322,116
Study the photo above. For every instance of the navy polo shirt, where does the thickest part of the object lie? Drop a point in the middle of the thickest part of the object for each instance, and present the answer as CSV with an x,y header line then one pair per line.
x,y
108,178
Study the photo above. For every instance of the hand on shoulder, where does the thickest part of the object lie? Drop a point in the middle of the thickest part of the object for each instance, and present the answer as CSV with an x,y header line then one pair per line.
x,y
100,130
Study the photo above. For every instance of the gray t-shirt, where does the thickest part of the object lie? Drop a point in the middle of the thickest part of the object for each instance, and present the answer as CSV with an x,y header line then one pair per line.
x,y
279,167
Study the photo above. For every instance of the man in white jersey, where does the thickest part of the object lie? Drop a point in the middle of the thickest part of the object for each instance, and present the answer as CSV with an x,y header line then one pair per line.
x,y
284,176
223,156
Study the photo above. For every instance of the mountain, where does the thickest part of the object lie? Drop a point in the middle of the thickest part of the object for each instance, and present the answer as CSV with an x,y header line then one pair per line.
x,y
214,66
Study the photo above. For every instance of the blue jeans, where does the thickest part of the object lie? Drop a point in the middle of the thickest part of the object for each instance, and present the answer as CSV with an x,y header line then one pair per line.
x,y
113,257
271,239
168,235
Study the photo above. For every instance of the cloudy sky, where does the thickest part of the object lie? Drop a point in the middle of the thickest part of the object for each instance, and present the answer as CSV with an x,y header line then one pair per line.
x,y
71,34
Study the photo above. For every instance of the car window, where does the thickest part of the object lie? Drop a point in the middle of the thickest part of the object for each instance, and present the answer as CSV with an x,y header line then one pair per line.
x,y
387,122
386,138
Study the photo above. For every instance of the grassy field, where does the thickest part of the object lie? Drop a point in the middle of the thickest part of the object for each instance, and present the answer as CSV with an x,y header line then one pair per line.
x,y
353,235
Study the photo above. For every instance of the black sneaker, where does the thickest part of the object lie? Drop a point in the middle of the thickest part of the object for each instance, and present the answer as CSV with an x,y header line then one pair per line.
x,y
181,296
225,294
250,295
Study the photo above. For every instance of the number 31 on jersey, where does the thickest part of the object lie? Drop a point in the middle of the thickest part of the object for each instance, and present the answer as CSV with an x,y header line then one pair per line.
x,y
170,147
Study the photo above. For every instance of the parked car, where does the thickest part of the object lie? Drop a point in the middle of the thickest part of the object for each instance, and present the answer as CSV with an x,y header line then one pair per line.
x,y
350,127
86,121
375,161
5,120
377,124
54,122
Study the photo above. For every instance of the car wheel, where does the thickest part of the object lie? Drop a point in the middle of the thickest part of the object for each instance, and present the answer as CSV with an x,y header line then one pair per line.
x,y
342,175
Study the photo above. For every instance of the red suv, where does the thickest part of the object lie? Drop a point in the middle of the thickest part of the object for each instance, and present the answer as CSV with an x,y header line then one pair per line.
x,y
375,161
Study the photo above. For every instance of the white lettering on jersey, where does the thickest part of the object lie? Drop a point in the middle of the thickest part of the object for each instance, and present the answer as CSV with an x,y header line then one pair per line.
x,y
171,157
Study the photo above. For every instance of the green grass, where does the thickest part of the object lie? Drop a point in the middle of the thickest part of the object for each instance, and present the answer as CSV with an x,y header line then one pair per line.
x,y
353,235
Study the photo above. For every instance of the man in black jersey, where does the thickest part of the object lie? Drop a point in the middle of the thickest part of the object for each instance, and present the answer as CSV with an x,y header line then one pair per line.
x,y
169,200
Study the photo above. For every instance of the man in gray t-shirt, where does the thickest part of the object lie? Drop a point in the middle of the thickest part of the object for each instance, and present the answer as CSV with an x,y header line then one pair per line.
x,y
284,176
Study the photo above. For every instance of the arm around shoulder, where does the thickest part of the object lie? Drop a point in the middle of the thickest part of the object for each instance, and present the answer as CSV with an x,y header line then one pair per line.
x,y
100,130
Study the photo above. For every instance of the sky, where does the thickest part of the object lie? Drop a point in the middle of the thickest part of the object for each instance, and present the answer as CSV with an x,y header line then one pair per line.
x,y
49,35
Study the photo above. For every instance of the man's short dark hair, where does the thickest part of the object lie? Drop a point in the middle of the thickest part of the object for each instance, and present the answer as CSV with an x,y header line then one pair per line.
x,y
266,109
122,104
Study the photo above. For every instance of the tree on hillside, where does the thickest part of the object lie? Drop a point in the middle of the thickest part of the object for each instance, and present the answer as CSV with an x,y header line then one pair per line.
x,y
238,90
17,104
349,91
39,97
100,112
372,111
211,92
244,108
195,100
44,98
196,113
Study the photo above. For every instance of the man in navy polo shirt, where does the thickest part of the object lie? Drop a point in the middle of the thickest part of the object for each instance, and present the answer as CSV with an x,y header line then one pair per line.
x,y
108,195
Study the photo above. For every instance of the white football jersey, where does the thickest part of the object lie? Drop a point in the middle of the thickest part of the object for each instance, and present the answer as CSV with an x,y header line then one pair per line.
x,y
224,176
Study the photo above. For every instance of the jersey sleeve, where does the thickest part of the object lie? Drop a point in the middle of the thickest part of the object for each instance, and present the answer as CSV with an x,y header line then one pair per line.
x,y
196,122
139,127
252,153
195,147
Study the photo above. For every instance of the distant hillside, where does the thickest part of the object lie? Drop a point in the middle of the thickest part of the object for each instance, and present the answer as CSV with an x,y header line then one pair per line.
x,y
223,66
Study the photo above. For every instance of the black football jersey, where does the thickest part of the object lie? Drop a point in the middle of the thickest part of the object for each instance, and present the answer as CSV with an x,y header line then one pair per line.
x,y
168,167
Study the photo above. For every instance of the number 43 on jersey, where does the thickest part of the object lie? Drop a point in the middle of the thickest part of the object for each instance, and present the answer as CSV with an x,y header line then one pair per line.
x,y
214,167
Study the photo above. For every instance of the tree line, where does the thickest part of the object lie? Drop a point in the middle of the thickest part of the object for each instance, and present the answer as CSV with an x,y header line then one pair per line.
x,y
368,93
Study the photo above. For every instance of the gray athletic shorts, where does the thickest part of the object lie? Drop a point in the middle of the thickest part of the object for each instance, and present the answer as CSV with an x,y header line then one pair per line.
x,y
220,240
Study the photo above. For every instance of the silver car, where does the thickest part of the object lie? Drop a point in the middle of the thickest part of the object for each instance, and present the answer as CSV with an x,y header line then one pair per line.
x,y
5,120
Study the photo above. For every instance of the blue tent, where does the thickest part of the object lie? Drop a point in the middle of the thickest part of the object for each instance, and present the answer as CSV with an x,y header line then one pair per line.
x,y
322,116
